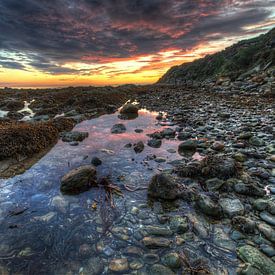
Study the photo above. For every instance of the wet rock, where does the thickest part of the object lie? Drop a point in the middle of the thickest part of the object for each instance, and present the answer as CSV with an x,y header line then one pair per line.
x,y
249,189
74,136
133,251
139,147
119,265
267,250
224,115
218,146
188,145
248,269
96,161
158,269
214,184
118,129
154,143
156,242
163,186
160,160
158,231
151,258
240,157
231,207
172,260
260,204
179,224
253,256
243,224
129,109
138,131
184,135
268,218
256,141
41,118
79,180
209,207
60,203
168,133
136,264
267,231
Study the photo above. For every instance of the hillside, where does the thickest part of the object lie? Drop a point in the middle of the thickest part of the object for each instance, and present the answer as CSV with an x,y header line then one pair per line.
x,y
252,54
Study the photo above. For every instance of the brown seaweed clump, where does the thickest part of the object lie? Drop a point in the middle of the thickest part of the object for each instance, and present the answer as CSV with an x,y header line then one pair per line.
x,y
63,124
25,139
210,167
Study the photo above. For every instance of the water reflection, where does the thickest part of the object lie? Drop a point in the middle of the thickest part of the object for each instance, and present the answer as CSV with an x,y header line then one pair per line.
x,y
56,233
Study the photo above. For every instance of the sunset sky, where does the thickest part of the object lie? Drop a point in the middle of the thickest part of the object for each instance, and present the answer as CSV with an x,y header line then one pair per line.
x,y
54,43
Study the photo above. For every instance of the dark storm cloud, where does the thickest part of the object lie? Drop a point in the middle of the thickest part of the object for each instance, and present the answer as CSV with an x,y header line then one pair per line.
x,y
51,33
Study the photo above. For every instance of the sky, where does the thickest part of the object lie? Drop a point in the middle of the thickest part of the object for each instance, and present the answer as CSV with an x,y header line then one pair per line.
x,y
56,43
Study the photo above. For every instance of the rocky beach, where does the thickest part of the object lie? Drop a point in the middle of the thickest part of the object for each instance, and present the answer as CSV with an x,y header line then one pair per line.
x,y
172,178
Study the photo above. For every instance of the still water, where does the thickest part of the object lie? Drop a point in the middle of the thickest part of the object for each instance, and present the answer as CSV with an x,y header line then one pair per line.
x,y
45,232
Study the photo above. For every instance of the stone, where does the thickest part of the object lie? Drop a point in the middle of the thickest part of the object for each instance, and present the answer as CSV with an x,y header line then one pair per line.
x,y
249,189
243,224
154,143
172,260
156,242
96,161
179,224
214,184
231,207
268,218
74,136
163,186
136,264
60,203
158,231
129,109
158,269
151,258
267,231
255,141
118,129
260,204
257,259
218,146
79,180
119,265
168,133
209,207
139,147
188,145
268,250
239,157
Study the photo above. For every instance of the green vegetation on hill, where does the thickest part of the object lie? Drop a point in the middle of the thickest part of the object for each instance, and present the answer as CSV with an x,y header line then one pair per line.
x,y
232,62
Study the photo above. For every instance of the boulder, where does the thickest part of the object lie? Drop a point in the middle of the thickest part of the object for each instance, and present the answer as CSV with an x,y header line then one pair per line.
x,y
231,207
154,143
209,207
163,186
79,180
139,147
253,256
129,109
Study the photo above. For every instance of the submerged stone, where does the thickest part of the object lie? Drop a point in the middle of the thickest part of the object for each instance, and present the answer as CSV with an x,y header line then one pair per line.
x,y
163,186
118,129
79,180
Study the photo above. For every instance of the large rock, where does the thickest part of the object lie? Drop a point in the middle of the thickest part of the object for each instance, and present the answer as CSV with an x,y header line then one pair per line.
x,y
129,109
163,186
156,242
231,207
79,180
209,207
188,145
253,256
